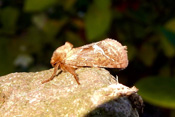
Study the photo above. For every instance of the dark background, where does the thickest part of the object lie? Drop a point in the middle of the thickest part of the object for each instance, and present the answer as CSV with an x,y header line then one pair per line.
x,y
30,30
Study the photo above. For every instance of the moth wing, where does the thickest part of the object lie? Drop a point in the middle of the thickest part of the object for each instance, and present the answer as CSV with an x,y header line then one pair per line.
x,y
108,53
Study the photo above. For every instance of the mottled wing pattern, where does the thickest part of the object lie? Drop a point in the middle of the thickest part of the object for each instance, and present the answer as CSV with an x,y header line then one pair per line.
x,y
108,53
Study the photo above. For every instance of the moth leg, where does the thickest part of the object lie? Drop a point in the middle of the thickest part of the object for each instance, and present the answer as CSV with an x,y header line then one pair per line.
x,y
72,71
53,75
76,77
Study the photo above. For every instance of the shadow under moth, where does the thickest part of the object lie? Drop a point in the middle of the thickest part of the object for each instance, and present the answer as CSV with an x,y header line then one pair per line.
x,y
107,53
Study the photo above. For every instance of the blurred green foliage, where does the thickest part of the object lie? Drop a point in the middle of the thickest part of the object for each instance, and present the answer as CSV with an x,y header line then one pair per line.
x,y
30,30
158,90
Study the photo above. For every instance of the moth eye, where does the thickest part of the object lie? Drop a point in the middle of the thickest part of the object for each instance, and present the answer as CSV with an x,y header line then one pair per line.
x,y
54,64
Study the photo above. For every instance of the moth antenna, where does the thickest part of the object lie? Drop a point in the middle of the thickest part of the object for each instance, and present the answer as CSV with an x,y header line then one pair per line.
x,y
53,75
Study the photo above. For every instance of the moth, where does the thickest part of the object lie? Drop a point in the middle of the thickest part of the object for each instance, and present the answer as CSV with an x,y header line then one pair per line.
x,y
107,53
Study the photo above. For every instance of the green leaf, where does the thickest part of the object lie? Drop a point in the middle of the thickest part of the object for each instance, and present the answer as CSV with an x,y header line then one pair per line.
x,y
39,20
52,27
74,39
34,40
67,4
102,4
6,56
37,5
159,91
165,70
170,25
167,47
9,16
169,35
147,54
98,19
131,52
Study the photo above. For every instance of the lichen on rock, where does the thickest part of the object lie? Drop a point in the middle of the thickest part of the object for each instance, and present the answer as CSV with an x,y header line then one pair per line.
x,y
23,94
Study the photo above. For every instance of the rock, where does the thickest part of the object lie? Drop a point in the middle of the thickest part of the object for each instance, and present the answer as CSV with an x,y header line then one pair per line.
x,y
99,95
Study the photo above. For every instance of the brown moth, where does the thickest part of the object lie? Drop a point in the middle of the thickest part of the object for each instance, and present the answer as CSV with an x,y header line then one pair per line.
x,y
107,53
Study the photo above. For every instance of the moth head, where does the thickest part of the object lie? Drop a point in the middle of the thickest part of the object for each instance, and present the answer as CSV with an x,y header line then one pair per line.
x,y
60,54
54,64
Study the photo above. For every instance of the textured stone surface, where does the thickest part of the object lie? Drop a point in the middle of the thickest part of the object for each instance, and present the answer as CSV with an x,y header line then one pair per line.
x,y
22,94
